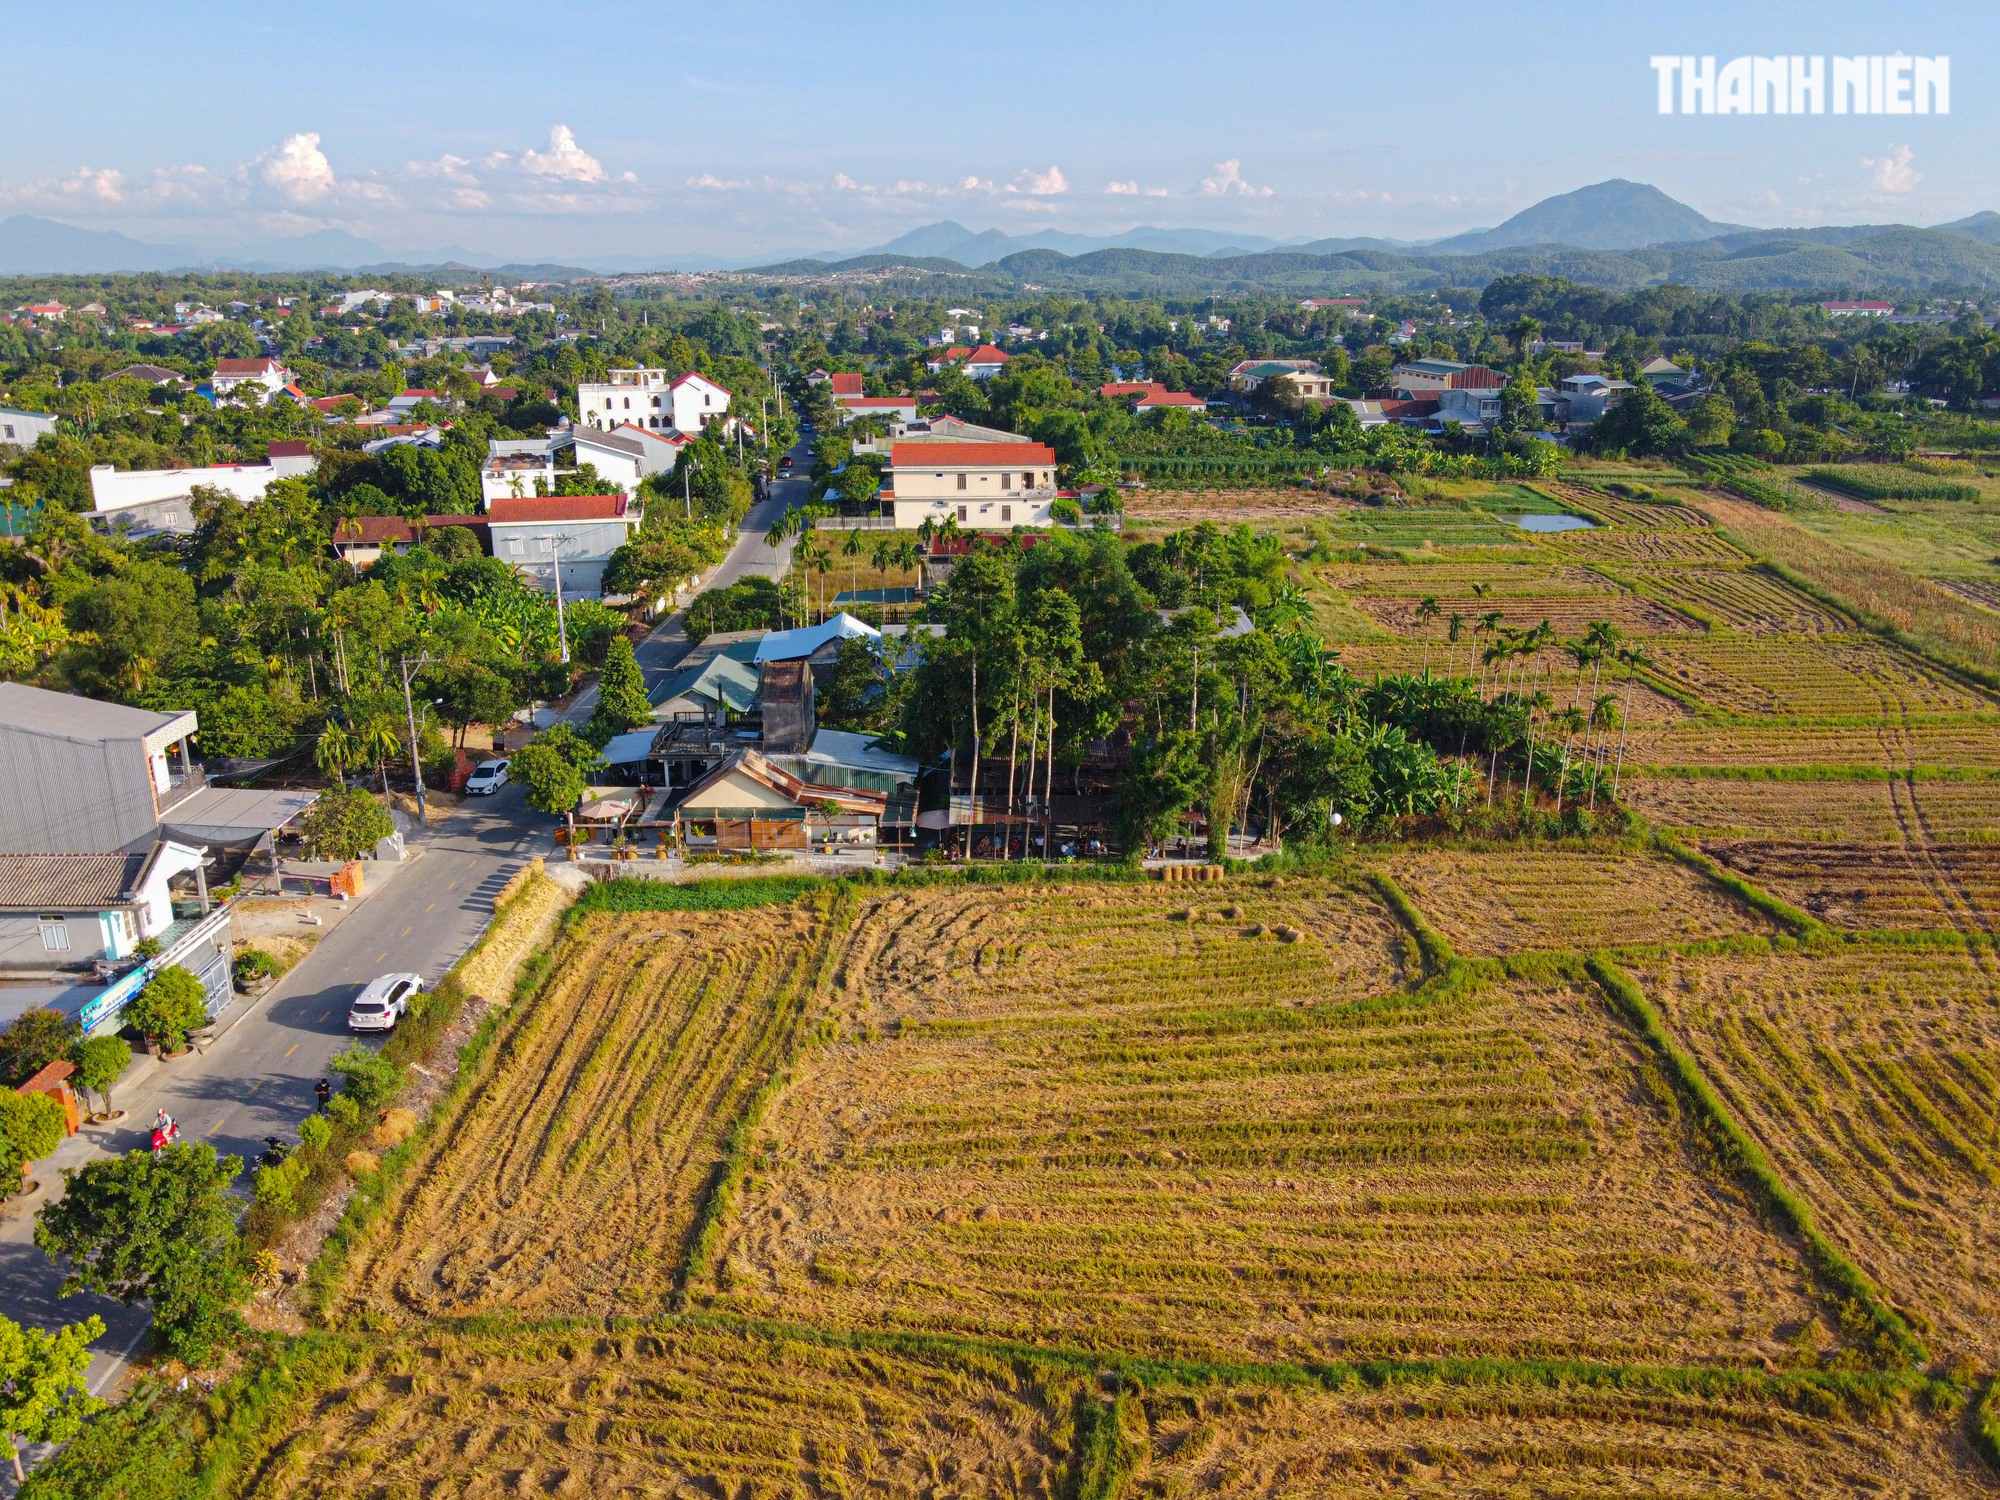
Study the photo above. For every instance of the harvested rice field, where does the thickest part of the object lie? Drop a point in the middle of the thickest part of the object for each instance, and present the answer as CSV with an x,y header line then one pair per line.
x,y
1490,904
1436,1438
571,1184
1821,811
1958,744
677,1411
1742,599
1822,676
1020,1137
1872,1078
1916,884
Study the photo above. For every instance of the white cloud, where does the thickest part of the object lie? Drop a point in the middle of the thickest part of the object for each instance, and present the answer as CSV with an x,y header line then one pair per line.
x,y
1893,173
709,182
297,168
1039,184
1128,189
1229,179
843,183
564,159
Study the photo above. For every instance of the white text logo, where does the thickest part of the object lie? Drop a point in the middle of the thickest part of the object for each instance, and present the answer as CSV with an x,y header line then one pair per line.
x,y
1894,85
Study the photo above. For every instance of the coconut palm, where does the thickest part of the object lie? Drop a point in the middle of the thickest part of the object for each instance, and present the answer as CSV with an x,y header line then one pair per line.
x,y
1603,712
1427,611
1571,721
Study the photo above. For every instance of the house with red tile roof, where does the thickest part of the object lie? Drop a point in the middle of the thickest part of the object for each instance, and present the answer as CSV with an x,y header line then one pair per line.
x,y
1169,400
562,541
260,379
844,384
992,486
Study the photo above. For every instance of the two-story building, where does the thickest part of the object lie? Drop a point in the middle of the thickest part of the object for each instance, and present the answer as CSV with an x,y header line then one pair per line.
x,y
536,535
983,486
653,400
1426,377
627,454
163,499
108,834
254,379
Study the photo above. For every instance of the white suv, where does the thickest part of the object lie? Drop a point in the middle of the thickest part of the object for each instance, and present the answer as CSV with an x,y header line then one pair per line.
x,y
383,1002
486,779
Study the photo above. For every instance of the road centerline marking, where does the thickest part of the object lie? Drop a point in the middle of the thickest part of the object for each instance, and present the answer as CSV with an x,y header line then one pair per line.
x,y
295,1046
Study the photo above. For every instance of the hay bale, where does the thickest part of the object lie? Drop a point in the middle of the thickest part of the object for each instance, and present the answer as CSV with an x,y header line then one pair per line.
x,y
394,1128
1285,934
1232,912
361,1163
1254,930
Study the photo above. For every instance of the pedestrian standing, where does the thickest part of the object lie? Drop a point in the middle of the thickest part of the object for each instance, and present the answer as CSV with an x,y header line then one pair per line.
x,y
322,1091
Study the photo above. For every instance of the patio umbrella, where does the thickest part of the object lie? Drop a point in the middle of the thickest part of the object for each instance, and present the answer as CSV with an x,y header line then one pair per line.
x,y
603,809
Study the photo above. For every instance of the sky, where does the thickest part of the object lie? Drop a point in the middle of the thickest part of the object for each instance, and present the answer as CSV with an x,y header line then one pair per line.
x,y
764,127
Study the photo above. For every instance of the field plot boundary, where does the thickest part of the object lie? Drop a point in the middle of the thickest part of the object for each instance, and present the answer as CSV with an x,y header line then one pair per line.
x,y
254,1440
1738,1151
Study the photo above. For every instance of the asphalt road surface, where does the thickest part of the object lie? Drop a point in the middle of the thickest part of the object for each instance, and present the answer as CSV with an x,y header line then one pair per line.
x,y
257,1078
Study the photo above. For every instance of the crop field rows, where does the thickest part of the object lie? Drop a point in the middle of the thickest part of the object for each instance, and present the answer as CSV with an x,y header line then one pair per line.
x,y
1021,1134
1857,812
573,1184
1971,742
1035,1137
1919,885
1619,511
1814,676
1743,599
1872,1077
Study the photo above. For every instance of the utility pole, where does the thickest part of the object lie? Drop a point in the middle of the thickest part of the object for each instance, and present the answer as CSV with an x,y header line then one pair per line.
x,y
562,629
687,485
410,713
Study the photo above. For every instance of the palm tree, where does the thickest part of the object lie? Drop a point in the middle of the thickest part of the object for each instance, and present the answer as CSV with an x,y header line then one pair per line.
x,y
1454,628
852,551
1634,657
1570,720
333,752
1490,624
1604,711
379,740
1427,611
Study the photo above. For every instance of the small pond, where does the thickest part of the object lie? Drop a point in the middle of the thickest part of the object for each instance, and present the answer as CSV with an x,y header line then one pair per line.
x,y
1551,523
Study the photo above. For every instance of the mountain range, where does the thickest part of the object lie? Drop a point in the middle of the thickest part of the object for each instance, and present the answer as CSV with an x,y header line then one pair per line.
x,y
1617,234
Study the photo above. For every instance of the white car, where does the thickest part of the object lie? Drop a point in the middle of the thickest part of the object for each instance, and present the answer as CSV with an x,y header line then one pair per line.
x,y
486,778
383,1002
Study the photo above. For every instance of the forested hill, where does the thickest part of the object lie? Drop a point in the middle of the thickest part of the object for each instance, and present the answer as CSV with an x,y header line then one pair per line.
x,y
1855,260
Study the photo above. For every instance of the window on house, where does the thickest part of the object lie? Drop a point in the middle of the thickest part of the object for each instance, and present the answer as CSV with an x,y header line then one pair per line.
x,y
964,513
1006,481
514,547
961,481
55,934
1028,481
1006,512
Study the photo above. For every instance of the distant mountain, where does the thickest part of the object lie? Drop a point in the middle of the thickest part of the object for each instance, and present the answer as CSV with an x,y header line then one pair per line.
x,y
949,240
1981,226
1614,215
42,247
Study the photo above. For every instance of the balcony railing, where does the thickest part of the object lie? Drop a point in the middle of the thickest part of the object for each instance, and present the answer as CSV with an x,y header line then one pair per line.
x,y
182,785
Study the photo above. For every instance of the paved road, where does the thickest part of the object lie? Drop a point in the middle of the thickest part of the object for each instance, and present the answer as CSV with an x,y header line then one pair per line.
x,y
257,1077
663,649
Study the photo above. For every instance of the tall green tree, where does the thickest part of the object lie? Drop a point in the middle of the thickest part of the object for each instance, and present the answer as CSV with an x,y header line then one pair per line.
x,y
43,1394
158,1229
621,695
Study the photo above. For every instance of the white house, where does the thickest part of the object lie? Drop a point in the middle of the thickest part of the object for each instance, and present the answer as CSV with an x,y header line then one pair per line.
x,y
162,499
897,408
627,454
578,532
984,486
260,379
513,465
21,427
649,399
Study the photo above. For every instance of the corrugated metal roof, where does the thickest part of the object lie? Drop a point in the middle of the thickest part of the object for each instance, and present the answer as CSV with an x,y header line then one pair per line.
x,y
66,716
70,882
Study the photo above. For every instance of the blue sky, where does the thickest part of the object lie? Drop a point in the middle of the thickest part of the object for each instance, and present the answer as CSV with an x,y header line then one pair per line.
x,y
612,128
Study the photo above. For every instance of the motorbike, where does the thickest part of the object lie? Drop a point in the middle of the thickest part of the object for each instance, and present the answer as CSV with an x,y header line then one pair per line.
x,y
275,1152
164,1136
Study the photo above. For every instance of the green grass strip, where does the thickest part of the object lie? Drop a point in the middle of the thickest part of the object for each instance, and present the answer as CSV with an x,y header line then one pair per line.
x,y
1847,1282
1432,945
1800,924
1986,1425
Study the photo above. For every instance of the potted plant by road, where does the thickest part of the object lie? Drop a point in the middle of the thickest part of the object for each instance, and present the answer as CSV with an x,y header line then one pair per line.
x,y
170,1007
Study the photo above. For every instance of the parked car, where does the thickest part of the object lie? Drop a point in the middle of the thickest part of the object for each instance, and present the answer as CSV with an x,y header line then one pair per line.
x,y
785,464
383,1002
486,778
